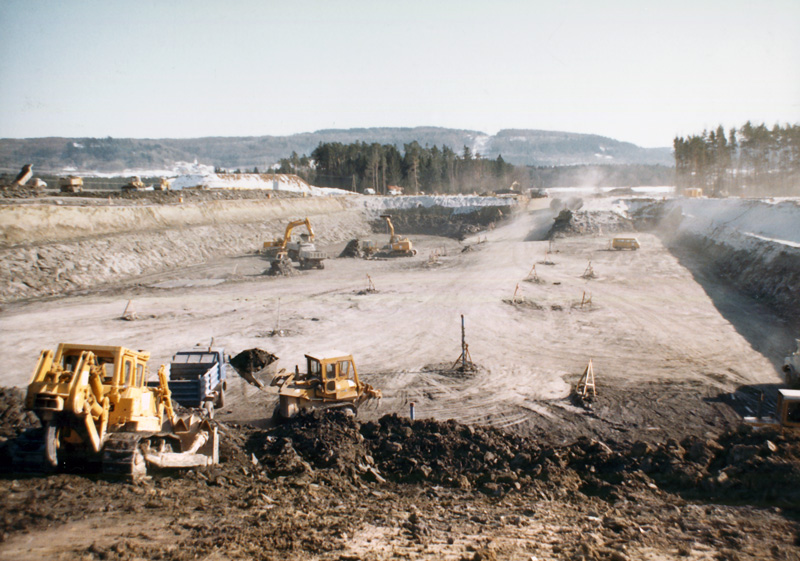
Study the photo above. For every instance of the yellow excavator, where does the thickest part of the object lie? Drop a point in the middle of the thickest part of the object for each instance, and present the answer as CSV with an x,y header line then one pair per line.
x,y
397,247
282,251
330,382
95,406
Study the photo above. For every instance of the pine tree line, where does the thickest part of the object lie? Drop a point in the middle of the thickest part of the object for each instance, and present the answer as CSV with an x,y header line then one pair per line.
x,y
750,161
360,166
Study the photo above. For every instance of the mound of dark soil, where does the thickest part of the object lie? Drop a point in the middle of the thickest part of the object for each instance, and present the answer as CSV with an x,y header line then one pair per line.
x,y
252,360
13,417
761,466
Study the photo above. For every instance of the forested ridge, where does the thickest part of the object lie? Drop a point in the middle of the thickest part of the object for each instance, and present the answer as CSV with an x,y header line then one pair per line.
x,y
752,160
360,166
519,147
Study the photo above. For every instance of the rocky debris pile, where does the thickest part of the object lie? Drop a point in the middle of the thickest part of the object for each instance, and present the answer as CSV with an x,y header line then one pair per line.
x,y
9,191
748,465
358,248
13,417
281,268
441,221
14,420
570,223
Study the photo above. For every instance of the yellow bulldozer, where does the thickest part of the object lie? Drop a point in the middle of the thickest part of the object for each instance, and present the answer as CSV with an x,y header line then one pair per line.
x,y
330,382
397,246
96,407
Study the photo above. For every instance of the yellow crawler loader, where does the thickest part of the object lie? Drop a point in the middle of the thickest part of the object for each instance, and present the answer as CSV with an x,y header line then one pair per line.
x,y
95,407
330,382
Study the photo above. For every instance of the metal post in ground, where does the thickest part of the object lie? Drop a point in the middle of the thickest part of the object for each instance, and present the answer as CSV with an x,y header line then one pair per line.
x,y
463,346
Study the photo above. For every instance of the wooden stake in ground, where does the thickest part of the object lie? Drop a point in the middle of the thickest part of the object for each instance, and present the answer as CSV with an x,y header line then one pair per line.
x,y
129,314
586,383
532,276
514,298
589,272
370,285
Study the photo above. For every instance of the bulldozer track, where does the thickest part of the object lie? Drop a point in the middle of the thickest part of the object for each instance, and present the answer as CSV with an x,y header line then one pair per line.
x,y
123,456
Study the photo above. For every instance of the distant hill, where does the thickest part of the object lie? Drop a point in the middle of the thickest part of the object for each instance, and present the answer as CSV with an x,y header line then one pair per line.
x,y
521,147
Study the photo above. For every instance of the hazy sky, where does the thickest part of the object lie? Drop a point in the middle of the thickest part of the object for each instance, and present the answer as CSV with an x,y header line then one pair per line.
x,y
637,70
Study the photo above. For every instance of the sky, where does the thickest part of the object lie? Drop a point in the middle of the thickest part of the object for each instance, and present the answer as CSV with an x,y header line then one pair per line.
x,y
637,71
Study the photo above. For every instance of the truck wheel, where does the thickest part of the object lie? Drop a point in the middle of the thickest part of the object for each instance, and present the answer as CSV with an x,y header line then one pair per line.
x,y
220,402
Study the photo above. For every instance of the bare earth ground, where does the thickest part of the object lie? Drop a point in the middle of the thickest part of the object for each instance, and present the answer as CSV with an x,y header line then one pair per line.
x,y
669,365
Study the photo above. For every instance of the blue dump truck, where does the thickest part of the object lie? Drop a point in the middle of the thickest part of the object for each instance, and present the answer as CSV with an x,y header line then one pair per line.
x,y
197,377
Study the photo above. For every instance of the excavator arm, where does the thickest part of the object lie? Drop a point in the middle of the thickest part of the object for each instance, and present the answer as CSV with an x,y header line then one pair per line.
x,y
292,225
388,218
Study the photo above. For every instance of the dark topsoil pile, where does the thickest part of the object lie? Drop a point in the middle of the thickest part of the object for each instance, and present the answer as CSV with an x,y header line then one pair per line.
x,y
440,221
307,485
251,361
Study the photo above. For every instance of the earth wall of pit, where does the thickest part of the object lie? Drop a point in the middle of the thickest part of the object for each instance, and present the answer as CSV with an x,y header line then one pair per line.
x,y
51,249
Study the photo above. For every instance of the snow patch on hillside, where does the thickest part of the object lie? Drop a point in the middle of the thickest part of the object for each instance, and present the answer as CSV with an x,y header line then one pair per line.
x,y
740,222
262,181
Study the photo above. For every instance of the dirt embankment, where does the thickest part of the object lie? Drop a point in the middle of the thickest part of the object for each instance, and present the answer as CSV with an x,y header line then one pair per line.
x,y
57,249
751,245
441,221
